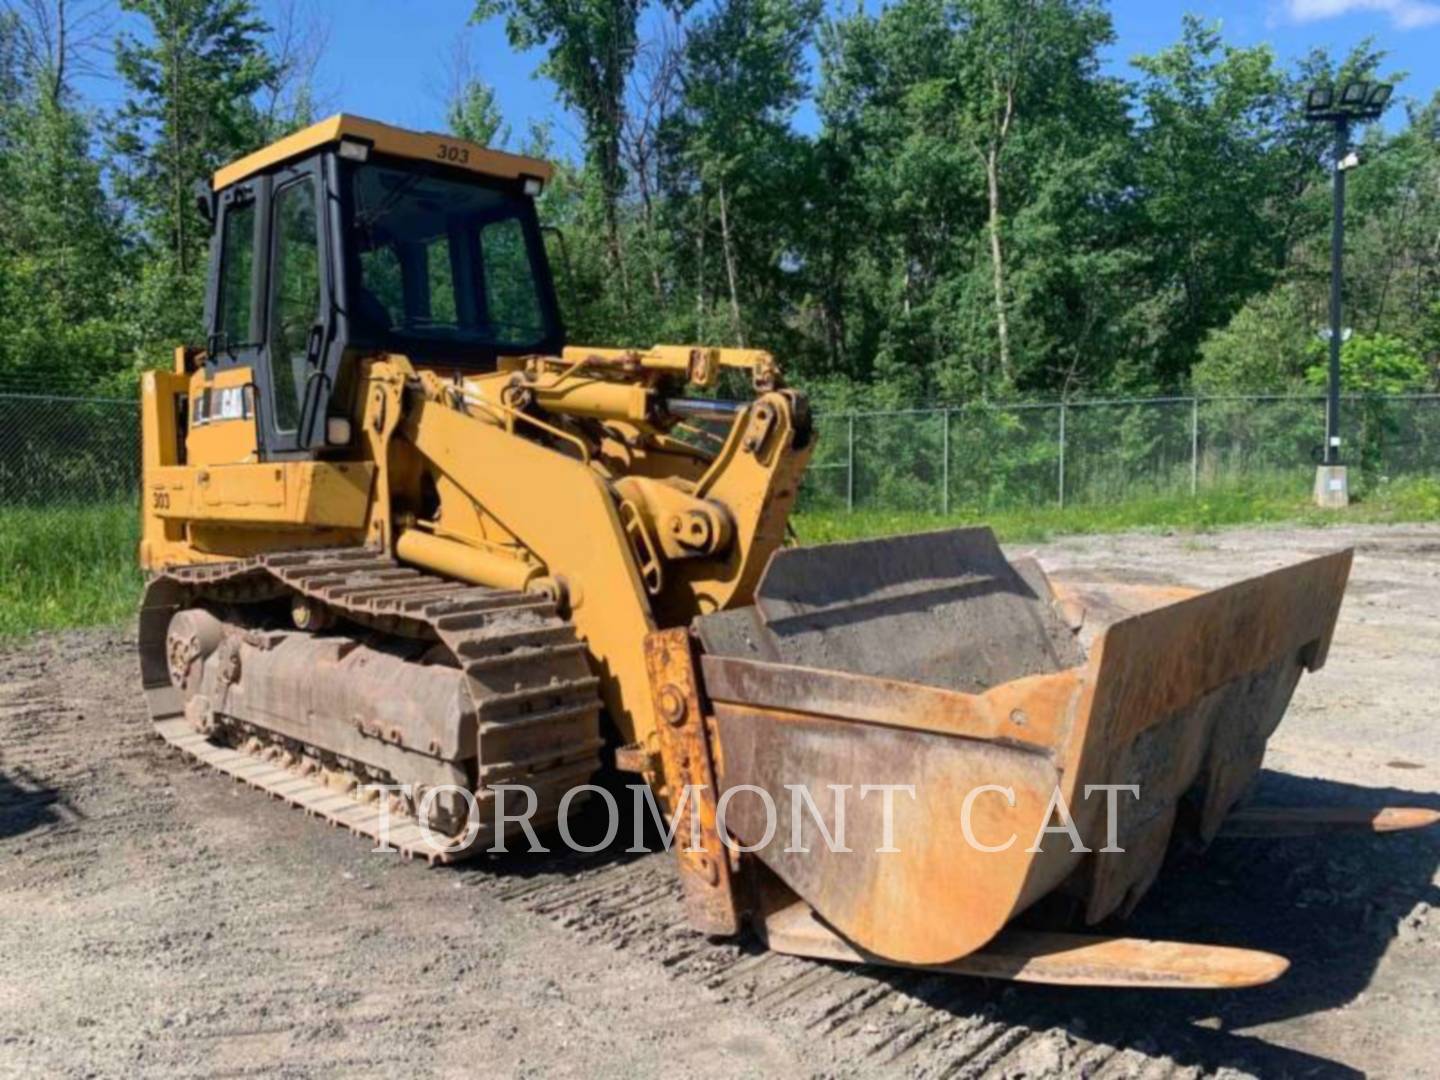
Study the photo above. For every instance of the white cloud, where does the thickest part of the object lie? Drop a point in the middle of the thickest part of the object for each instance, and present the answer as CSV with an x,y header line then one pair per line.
x,y
1405,14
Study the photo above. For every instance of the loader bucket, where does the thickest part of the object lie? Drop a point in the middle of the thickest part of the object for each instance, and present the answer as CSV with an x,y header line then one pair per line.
x,y
986,699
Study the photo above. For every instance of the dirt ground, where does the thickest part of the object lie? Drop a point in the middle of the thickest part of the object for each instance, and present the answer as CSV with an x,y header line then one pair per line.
x,y
159,920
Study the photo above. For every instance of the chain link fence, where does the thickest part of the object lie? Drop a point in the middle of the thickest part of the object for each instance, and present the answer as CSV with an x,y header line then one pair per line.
x,y
68,450
982,456
73,450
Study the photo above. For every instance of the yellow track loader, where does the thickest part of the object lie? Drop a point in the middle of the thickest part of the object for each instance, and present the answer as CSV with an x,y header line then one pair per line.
x,y
413,555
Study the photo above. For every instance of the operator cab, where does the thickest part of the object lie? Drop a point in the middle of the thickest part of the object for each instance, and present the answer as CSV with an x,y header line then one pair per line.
x,y
352,237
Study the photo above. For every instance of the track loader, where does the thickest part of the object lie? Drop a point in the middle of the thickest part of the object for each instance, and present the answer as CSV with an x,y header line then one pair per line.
x,y
411,553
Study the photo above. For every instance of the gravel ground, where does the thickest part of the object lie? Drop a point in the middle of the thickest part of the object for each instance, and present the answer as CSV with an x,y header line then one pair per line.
x,y
160,920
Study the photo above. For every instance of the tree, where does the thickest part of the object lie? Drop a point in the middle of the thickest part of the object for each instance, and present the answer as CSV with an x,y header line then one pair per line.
x,y
471,109
56,40
1217,178
591,47
474,114
1392,225
1017,59
190,108
62,258
1265,348
1053,139
1392,217
1373,364
11,68
648,153
953,133
983,213
742,76
290,98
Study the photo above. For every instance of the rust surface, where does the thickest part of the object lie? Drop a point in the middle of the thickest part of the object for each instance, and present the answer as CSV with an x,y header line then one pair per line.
x,y
1176,695
1054,958
1262,822
706,879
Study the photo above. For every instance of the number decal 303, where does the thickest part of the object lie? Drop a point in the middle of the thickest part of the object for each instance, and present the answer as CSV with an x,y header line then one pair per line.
x,y
160,499
460,155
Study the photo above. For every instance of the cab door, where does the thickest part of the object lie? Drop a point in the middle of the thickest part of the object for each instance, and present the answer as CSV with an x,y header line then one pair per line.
x,y
221,427
291,379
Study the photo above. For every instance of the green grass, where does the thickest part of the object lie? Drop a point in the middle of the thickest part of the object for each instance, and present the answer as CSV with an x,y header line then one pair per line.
x,y
67,566
1404,500
73,566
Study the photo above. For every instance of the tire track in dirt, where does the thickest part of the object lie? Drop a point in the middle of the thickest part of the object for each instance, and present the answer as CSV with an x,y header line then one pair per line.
x,y
919,1022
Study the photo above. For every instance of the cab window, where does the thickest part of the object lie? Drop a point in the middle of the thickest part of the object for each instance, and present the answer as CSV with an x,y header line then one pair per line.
x,y
237,269
445,262
511,299
294,297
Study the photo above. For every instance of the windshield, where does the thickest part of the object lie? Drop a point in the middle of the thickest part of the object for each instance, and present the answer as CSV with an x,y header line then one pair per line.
x,y
443,261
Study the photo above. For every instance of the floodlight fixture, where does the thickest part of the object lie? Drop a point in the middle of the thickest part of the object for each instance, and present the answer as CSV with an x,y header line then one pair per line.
x,y
1358,99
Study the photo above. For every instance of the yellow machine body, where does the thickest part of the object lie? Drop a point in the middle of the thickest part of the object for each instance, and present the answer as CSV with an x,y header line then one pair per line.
x,y
624,552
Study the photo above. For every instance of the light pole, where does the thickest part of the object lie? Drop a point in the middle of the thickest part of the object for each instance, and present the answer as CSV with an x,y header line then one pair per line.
x,y
1358,101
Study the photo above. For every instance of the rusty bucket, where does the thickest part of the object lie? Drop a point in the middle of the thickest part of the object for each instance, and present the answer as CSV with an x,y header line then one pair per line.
x,y
987,698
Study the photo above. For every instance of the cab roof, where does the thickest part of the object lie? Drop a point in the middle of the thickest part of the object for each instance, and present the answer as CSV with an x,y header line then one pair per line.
x,y
384,139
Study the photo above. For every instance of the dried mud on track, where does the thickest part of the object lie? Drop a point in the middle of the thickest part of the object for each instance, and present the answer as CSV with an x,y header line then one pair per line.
x,y
159,920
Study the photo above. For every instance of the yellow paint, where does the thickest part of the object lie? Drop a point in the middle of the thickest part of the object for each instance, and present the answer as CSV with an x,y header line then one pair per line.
x,y
384,139
320,494
161,541
683,526
222,441
466,562
223,541
596,399
566,515
698,365
755,477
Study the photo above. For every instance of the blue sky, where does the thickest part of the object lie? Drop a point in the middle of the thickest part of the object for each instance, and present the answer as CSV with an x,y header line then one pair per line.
x,y
392,59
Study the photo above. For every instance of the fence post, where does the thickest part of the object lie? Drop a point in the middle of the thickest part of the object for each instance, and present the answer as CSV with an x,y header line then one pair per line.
x,y
850,465
945,462
1194,446
1062,455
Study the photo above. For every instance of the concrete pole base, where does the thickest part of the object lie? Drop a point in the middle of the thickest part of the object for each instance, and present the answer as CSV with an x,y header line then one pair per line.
x,y
1332,488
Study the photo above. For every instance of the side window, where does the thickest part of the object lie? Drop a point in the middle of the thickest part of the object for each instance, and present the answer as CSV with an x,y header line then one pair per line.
x,y
558,257
294,297
237,264
441,280
382,288
511,301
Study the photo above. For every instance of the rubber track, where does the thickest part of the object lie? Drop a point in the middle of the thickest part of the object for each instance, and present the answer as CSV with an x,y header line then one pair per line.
x,y
536,702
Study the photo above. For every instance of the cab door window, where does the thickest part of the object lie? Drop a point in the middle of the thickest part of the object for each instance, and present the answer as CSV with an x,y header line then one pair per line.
x,y
237,275
294,298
